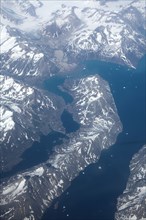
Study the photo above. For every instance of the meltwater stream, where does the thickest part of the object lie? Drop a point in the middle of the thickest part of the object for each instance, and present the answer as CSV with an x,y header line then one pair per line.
x,y
93,194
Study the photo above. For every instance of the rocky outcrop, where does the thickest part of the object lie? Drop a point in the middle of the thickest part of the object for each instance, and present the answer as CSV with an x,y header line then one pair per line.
x,y
94,109
26,113
131,204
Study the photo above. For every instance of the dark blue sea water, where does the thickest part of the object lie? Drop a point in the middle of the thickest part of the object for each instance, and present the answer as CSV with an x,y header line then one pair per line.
x,y
69,124
53,85
93,194
40,151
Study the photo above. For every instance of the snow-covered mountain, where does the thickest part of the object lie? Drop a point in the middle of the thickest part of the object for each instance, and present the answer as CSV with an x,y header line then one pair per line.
x,y
93,107
57,36
26,113
132,203
18,11
40,39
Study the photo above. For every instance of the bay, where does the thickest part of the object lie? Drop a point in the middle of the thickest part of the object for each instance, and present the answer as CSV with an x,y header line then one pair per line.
x,y
93,194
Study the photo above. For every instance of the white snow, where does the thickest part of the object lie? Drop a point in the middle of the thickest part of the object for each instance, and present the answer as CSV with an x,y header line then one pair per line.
x,y
142,191
49,7
57,159
99,37
44,13
5,83
30,54
15,108
17,52
9,189
38,172
6,120
60,183
4,35
8,44
133,217
5,114
14,190
37,57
